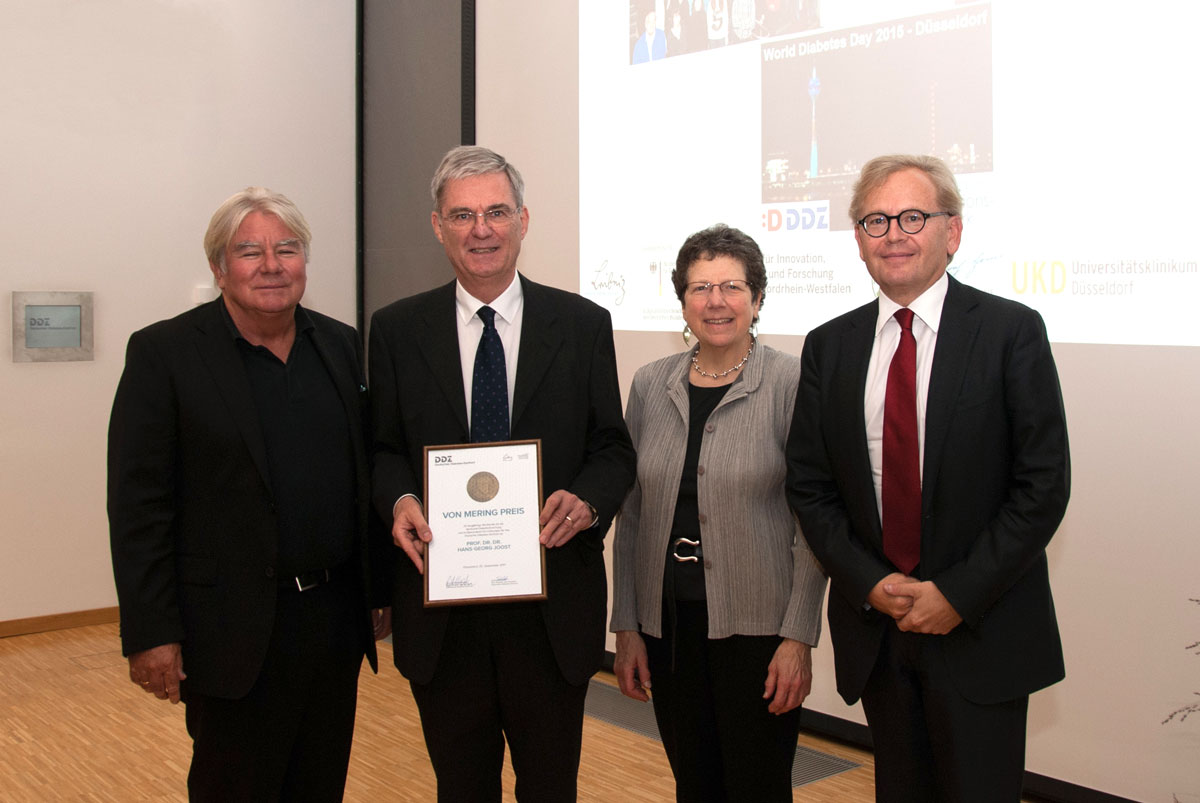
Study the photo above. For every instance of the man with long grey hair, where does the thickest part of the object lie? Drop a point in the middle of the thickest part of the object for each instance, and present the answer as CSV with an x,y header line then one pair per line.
x,y
237,499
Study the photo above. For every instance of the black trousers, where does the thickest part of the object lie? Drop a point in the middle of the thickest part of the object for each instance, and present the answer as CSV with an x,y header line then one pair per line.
x,y
931,743
496,680
722,742
289,738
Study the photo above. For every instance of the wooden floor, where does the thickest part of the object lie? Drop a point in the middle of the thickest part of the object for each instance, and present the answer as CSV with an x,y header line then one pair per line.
x,y
72,727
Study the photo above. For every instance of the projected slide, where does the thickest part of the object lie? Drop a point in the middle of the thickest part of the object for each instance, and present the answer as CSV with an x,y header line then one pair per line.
x,y
814,133
1069,136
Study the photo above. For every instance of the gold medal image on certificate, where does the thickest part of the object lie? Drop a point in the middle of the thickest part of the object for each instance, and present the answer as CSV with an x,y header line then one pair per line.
x,y
482,502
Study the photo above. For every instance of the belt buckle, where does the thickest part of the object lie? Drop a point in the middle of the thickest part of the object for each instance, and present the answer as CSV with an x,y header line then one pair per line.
x,y
321,576
681,541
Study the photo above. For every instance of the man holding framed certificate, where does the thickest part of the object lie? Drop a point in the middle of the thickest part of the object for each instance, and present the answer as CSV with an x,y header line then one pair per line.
x,y
493,358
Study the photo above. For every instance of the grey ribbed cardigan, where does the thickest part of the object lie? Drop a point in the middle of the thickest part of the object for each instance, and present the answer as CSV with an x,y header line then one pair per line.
x,y
760,578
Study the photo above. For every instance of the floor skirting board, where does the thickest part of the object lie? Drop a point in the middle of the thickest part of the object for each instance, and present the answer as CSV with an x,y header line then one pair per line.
x,y
57,621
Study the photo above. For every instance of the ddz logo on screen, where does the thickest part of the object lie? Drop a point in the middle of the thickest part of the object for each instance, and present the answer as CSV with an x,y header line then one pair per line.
x,y
809,217
442,459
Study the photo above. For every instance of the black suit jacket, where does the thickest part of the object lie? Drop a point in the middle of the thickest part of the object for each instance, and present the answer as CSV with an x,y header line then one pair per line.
x,y
566,394
995,484
192,523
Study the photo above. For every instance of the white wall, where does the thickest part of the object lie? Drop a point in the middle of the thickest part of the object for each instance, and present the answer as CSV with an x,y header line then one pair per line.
x,y
125,124
1124,563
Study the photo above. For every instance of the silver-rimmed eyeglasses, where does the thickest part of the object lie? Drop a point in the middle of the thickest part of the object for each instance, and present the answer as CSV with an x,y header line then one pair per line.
x,y
495,218
730,288
910,221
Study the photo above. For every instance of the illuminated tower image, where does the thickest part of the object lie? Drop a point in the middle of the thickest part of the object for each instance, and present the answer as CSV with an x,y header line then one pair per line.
x,y
814,89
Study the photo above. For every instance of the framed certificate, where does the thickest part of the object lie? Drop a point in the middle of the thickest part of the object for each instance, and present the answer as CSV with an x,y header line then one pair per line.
x,y
482,502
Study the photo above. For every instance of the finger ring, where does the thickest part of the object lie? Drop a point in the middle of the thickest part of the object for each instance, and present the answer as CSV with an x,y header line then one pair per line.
x,y
145,683
568,518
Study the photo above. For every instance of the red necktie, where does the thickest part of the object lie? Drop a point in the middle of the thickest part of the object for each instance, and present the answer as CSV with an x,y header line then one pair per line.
x,y
901,454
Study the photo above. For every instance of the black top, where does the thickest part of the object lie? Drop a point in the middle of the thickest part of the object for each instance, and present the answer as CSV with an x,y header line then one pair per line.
x,y
309,456
685,580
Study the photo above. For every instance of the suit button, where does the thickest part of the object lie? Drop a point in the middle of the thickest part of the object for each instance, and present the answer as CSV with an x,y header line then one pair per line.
x,y
700,470
707,563
703,519
270,571
709,427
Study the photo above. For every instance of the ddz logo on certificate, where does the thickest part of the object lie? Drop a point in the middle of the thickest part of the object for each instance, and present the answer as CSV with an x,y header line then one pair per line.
x,y
482,502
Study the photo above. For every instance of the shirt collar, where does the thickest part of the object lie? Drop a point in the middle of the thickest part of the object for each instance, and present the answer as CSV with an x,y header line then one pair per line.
x,y
927,306
507,305
303,320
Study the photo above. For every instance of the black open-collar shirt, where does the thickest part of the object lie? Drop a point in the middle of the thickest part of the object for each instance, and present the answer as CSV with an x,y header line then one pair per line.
x,y
310,459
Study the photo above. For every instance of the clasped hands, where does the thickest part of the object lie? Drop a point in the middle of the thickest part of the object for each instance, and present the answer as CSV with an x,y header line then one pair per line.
x,y
916,605
563,515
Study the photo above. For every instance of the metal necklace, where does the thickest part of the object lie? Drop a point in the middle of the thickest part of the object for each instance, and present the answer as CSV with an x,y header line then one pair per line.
x,y
728,371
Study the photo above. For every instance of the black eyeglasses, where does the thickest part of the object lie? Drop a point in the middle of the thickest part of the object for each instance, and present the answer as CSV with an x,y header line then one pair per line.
x,y
910,221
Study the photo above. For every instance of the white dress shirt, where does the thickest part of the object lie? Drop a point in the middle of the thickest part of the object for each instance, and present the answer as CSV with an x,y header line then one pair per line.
x,y
927,314
510,308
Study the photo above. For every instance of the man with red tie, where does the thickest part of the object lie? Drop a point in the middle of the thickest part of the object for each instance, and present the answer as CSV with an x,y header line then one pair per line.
x,y
929,467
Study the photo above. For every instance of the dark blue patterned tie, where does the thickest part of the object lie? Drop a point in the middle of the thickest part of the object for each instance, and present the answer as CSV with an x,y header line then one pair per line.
x,y
489,384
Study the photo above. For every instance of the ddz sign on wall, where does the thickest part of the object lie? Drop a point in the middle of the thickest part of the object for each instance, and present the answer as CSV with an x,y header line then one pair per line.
x,y
52,327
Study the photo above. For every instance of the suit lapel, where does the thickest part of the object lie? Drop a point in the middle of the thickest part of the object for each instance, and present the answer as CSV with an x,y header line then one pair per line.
x,y
855,355
541,339
956,338
677,388
220,355
437,341
347,385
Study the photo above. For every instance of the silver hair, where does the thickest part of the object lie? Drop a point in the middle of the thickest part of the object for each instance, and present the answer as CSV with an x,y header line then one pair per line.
x,y
230,214
472,160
